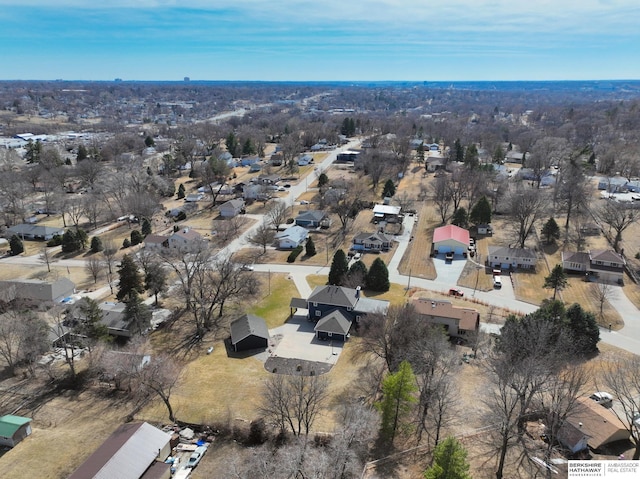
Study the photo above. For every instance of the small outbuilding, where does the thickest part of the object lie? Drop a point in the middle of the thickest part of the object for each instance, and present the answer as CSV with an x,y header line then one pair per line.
x,y
14,429
249,332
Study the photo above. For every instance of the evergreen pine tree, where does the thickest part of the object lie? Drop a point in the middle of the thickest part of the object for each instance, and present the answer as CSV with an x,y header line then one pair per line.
x,y
137,314
557,280
460,218
96,244
15,245
389,189
378,276
146,227
136,237
551,231
82,153
310,247
181,192
339,267
70,242
481,212
130,279
398,391
449,461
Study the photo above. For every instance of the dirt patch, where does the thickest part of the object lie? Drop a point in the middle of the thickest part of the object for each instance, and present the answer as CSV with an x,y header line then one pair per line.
x,y
292,367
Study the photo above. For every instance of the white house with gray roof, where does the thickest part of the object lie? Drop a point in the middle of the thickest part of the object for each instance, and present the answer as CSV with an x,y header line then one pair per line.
x,y
511,258
292,237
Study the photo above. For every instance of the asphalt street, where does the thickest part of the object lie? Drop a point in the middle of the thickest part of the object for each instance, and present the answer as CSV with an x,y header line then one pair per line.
x,y
627,338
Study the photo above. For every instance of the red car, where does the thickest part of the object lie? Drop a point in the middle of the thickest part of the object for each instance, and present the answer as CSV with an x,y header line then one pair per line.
x,y
456,292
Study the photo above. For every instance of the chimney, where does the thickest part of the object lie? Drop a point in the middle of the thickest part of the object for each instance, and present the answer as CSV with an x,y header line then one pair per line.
x,y
186,230
433,304
358,288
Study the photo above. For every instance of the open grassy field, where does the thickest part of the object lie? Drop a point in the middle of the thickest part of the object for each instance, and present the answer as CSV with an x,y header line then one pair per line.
x,y
273,303
417,256
66,429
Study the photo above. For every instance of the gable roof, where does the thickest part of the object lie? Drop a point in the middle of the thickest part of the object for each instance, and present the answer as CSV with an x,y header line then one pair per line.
x,y
606,255
187,233
453,232
127,453
335,322
248,325
34,230
9,424
295,233
334,295
507,252
580,257
155,239
468,318
311,215
233,204
373,238
599,423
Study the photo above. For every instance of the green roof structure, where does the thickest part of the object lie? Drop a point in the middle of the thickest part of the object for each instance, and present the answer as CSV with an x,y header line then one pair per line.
x,y
9,424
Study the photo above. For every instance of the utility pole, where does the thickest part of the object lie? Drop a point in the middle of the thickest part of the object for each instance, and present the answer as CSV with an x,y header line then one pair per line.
x,y
408,282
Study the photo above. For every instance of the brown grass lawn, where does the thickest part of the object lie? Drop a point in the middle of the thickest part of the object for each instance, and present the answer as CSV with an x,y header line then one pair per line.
x,y
417,256
66,430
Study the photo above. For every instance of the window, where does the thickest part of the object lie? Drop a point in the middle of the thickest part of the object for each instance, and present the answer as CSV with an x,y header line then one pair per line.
x,y
358,318
315,305
348,309
329,334
318,313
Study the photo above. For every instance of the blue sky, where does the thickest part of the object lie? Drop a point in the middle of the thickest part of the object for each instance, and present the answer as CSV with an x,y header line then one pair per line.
x,y
298,40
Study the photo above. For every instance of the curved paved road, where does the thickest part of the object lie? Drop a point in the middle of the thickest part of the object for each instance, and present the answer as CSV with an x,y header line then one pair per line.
x,y
627,338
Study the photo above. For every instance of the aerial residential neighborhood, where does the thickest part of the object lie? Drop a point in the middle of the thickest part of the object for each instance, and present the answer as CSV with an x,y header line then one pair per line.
x,y
172,286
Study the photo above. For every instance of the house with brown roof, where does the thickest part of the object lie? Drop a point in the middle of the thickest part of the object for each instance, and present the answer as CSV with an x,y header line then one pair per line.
x,y
457,321
599,424
156,242
603,265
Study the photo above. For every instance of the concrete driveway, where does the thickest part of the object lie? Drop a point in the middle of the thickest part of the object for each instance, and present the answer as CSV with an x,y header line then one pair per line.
x,y
448,273
298,340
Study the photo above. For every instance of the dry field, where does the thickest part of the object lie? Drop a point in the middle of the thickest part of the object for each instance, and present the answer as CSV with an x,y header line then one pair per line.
x,y
417,260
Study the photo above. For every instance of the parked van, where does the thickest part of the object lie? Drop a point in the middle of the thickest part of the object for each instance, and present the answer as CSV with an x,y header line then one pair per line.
x,y
497,282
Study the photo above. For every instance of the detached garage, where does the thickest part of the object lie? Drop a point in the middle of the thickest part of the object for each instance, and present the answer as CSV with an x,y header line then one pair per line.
x,y
249,332
14,429
450,238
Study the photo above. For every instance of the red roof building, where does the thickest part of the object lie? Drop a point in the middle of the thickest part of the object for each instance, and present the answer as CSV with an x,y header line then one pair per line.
x,y
450,238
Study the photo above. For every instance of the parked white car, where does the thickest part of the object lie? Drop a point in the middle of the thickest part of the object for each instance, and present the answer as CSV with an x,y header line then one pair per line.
x,y
603,398
195,457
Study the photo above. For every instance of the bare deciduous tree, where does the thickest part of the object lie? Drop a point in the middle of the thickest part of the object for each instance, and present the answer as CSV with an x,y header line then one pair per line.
x,y
293,402
622,378
618,216
276,213
46,257
263,236
441,195
94,266
527,206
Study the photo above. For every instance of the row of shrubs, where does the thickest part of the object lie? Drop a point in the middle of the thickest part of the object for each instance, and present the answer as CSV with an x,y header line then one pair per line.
x,y
294,254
